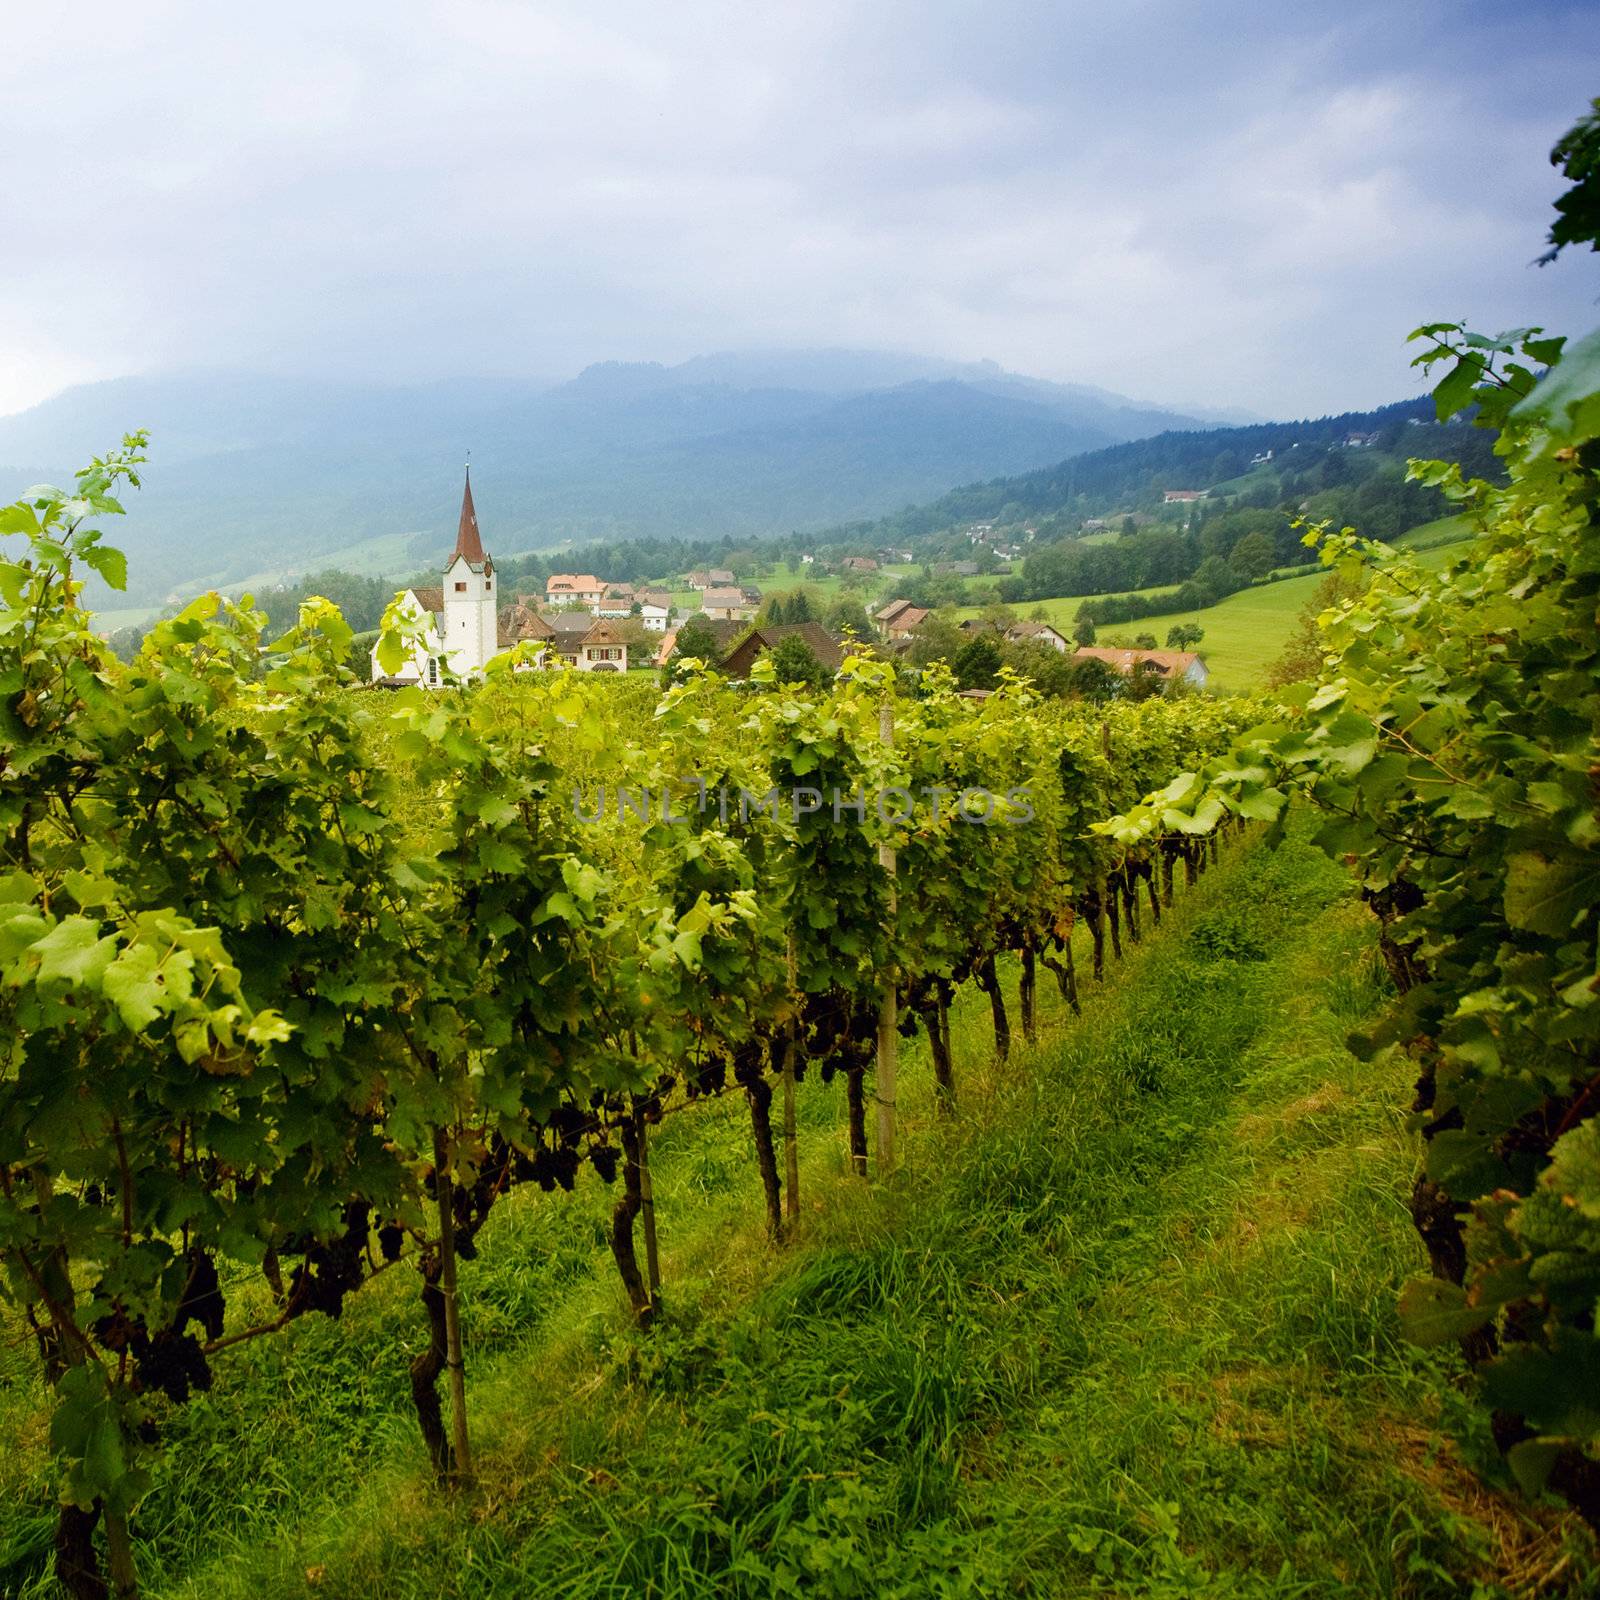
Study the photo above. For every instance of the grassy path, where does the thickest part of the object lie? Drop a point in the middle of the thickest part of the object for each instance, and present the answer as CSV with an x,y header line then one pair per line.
x,y
1123,1329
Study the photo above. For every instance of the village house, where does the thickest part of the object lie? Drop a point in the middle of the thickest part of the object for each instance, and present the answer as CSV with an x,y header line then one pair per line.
x,y
587,644
863,564
573,589
714,578
899,618
1172,665
1038,633
726,605
655,609
956,569
1181,497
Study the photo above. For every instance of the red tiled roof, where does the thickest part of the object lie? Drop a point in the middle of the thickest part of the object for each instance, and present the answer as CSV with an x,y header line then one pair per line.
x,y
1170,663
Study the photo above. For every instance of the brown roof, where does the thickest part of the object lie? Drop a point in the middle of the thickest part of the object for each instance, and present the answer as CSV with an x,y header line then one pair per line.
x,y
892,610
430,599
1170,663
1032,630
911,617
571,583
723,598
468,543
822,644
655,597
605,633
520,622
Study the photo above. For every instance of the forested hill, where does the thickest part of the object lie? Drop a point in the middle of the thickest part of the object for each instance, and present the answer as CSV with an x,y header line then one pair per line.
x,y
254,478
1133,476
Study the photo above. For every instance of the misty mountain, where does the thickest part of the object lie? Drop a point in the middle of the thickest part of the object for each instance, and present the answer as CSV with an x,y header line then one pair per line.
x,y
253,474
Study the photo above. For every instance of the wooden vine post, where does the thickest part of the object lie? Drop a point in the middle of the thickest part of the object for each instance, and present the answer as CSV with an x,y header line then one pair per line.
x,y
647,1211
791,1139
888,1034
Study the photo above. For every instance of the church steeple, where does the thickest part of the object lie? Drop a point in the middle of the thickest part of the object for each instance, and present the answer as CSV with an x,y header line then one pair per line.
x,y
469,544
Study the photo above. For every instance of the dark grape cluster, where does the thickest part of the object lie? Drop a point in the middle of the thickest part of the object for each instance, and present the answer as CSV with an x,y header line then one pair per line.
x,y
202,1297
333,1270
172,1363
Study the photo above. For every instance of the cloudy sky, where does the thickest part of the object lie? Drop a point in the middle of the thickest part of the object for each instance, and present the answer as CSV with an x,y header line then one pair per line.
x,y
1186,200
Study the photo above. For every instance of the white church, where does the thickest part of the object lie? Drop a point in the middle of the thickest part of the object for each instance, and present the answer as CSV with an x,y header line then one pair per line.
x,y
466,627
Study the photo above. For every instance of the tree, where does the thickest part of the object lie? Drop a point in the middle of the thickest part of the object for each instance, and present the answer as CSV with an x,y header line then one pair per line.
x,y
1577,153
850,616
1083,631
1253,555
696,641
938,638
978,663
1144,641
1215,579
1184,635
795,661
1048,669
1094,680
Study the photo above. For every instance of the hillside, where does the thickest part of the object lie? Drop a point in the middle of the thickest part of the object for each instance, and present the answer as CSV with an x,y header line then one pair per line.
x,y
256,476
1133,475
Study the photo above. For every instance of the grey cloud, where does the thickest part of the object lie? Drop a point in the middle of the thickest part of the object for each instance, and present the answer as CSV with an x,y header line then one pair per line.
x,y
1244,204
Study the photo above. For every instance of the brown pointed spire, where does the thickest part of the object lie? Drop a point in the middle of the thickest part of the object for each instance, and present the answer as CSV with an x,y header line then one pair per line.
x,y
468,543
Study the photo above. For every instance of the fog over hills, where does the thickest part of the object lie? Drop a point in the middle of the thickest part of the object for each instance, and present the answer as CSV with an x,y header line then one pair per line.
x,y
253,474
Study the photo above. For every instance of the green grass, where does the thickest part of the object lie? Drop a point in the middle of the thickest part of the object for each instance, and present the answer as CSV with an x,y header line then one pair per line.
x,y
114,618
1247,632
1124,1328
1061,611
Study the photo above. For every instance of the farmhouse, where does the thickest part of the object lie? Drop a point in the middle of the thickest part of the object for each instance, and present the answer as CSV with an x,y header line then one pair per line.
x,y
899,618
1038,633
727,605
1179,497
1172,665
821,643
